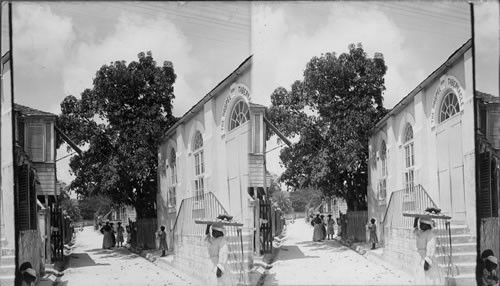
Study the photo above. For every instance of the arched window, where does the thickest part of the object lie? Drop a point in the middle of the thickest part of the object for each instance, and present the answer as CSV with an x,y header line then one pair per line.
x,y
173,179
409,157
239,115
199,166
449,107
383,172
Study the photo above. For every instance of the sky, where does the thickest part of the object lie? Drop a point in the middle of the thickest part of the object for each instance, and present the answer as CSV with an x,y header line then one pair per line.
x,y
58,46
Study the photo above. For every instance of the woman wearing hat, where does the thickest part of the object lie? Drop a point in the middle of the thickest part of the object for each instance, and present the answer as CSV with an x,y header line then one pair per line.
x,y
317,222
427,272
218,252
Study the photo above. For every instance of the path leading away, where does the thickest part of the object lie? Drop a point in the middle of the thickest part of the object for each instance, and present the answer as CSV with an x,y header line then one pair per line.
x,y
304,262
89,264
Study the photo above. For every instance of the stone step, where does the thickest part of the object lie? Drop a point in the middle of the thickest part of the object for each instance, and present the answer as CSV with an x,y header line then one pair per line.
x,y
8,252
8,260
463,257
461,280
455,229
7,270
456,239
461,247
7,280
460,268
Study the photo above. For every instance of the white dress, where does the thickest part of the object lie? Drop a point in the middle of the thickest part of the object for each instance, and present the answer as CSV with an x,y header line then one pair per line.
x,y
219,252
426,247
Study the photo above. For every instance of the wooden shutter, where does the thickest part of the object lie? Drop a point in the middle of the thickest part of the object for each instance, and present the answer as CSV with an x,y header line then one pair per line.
x,y
35,141
23,198
494,189
484,207
32,201
48,143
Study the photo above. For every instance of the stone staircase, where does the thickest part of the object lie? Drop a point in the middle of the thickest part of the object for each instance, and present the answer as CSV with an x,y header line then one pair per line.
x,y
463,263
7,266
241,261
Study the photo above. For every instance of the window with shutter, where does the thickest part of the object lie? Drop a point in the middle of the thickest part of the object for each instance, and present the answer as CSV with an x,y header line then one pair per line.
x,y
39,141
35,141
23,198
484,207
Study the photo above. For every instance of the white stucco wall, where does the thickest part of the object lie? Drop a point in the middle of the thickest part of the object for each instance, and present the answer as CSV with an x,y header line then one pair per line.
x,y
418,112
208,121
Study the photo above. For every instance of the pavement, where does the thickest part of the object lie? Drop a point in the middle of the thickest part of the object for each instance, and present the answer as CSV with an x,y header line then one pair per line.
x,y
89,264
300,261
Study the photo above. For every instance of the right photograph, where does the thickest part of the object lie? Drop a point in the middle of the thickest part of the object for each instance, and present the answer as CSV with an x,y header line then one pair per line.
x,y
383,128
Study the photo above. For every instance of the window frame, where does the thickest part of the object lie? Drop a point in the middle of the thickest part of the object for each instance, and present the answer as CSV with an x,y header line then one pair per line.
x,y
47,146
199,166
409,158
242,117
445,115
382,194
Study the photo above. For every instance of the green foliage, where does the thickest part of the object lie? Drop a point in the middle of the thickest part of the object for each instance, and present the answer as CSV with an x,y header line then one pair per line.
x,y
121,120
305,198
70,206
281,199
331,110
94,205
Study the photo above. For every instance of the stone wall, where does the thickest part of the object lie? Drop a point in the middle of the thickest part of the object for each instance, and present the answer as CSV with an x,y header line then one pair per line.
x,y
490,234
400,248
191,256
30,249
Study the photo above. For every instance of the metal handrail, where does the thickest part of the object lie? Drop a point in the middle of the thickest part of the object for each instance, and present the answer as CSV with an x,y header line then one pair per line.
x,y
415,200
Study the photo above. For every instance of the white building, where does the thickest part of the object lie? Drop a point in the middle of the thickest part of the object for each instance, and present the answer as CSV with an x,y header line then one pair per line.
x,y
212,159
423,152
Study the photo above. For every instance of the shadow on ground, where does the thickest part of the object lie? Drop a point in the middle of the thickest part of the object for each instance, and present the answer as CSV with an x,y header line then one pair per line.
x,y
292,252
77,260
325,245
121,252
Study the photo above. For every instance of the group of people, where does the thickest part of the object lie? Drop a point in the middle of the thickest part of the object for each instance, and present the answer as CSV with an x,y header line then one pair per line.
x,y
112,237
323,229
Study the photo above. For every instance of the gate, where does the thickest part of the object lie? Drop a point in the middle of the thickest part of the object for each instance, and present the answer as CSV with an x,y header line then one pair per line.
x,y
56,233
266,235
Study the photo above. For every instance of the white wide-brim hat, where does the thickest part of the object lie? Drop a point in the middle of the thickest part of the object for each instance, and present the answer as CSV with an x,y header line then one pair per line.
x,y
218,227
492,259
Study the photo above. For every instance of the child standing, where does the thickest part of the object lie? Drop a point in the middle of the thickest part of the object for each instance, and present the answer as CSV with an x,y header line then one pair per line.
x,y
372,227
163,240
490,275
329,227
119,234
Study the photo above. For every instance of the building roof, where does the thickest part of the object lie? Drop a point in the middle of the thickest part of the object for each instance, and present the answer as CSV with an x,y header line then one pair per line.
x,y
199,105
28,111
487,98
435,74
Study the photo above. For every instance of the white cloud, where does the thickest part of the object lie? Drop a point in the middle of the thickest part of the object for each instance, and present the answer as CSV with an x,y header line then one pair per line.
x,y
132,35
36,27
281,52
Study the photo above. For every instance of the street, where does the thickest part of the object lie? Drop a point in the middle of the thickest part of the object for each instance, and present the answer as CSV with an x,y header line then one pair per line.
x,y
89,264
304,262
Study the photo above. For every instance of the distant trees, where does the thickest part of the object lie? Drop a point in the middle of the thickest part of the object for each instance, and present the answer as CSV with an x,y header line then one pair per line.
x,y
98,205
331,110
121,120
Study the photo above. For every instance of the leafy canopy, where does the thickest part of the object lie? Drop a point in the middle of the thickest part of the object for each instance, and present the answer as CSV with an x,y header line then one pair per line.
x,y
121,120
331,111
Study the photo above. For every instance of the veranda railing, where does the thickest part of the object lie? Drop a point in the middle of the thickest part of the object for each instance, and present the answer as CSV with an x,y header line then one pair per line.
x,y
415,200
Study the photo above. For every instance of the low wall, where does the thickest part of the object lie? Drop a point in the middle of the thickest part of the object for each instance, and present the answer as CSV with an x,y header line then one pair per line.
x,y
490,237
191,256
400,247
30,249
